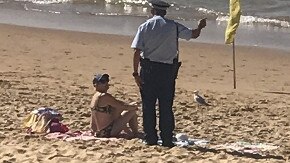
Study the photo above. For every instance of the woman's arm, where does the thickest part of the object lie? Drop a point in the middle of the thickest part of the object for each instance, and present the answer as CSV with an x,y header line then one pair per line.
x,y
108,99
136,61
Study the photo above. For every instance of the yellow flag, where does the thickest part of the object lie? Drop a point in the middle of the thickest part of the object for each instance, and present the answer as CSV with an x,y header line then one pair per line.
x,y
233,22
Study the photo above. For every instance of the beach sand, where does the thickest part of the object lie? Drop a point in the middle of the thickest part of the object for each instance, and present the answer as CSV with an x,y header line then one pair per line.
x,y
41,67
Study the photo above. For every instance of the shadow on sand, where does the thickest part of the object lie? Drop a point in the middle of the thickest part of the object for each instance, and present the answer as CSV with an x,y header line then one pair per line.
x,y
237,153
276,92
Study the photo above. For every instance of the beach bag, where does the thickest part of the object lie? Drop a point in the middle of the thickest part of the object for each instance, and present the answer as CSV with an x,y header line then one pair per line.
x,y
40,120
58,127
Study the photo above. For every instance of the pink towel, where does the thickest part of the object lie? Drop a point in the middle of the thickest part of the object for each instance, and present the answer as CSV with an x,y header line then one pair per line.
x,y
77,135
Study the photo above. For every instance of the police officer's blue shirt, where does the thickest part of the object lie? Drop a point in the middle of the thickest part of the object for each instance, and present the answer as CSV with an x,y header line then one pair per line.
x,y
157,39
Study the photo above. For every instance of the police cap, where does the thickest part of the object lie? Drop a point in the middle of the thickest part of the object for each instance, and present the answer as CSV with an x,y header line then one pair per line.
x,y
158,4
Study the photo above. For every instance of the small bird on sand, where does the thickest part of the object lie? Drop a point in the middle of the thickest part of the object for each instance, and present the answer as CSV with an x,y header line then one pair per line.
x,y
200,101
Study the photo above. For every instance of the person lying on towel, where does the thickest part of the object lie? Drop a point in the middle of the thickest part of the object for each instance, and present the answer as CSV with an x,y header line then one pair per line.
x,y
109,116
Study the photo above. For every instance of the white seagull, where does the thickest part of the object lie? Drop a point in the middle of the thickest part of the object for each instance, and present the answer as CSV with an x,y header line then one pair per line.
x,y
200,101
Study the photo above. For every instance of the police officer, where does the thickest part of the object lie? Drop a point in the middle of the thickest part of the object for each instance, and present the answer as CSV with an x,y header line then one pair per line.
x,y
155,47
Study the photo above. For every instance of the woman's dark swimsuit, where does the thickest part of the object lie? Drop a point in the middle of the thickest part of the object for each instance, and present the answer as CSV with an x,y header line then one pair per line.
x,y
105,132
105,109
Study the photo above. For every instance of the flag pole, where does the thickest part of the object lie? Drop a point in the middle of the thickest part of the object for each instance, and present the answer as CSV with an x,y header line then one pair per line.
x,y
234,64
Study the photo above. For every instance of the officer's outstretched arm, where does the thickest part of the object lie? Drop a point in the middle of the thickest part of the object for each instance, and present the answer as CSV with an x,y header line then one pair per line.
x,y
201,25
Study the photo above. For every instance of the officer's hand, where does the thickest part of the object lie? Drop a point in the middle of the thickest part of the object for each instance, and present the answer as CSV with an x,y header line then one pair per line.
x,y
202,23
138,81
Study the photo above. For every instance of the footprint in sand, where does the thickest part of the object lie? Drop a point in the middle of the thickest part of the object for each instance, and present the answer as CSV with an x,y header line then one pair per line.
x,y
25,93
70,112
67,52
9,160
5,84
217,79
23,88
8,155
107,57
274,69
254,74
228,70
85,114
226,66
126,68
21,151
25,52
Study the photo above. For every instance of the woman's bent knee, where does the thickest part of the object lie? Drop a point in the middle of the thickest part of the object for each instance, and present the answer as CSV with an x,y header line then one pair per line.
x,y
133,113
130,112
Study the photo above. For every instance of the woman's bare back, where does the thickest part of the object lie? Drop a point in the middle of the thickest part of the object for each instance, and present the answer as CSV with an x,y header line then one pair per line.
x,y
102,115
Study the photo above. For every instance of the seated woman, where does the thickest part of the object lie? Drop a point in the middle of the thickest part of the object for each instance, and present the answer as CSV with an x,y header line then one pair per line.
x,y
110,116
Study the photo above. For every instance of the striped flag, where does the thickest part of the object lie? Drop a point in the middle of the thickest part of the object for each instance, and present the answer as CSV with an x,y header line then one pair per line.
x,y
233,22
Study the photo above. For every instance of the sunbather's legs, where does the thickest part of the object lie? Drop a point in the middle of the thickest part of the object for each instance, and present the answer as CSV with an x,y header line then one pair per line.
x,y
133,123
116,113
121,122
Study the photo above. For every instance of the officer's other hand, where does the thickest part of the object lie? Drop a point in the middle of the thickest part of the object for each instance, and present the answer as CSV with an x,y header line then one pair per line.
x,y
138,81
202,23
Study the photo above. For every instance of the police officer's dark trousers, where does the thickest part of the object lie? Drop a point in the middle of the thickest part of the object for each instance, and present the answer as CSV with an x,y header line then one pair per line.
x,y
158,83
